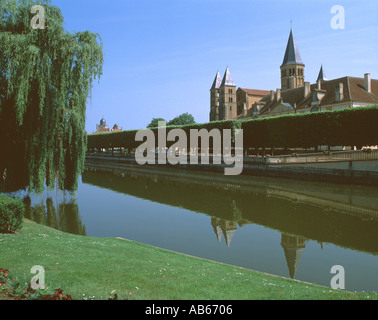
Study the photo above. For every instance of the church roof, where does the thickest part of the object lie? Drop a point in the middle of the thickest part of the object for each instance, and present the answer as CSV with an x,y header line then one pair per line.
x,y
292,55
353,91
255,92
227,80
217,82
217,228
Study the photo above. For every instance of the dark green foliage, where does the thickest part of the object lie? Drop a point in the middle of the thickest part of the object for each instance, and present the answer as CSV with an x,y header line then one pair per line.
x,y
126,139
356,127
182,120
11,214
155,122
347,127
45,80
118,139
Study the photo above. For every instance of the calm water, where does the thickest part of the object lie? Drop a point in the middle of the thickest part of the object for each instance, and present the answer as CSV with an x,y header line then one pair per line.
x,y
282,227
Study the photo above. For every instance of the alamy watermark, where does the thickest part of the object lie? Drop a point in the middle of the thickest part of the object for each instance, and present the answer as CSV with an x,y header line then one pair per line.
x,y
38,21
338,281
178,153
38,281
338,20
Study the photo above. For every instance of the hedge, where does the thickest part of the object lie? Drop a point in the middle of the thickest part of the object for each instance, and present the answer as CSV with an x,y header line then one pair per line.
x,y
347,127
126,139
11,214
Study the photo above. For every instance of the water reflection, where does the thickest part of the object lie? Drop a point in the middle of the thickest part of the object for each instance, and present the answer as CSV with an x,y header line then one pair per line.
x,y
283,227
343,215
307,216
293,247
63,216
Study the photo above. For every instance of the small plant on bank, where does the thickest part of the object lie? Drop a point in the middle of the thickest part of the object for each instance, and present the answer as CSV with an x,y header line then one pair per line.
x,y
3,278
11,214
22,290
12,287
57,295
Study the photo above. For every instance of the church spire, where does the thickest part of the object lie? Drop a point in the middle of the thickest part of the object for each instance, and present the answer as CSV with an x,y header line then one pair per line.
x,y
227,80
217,82
292,68
292,55
321,75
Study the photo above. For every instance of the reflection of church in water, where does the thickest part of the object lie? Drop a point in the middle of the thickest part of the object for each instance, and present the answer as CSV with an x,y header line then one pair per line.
x,y
224,227
291,244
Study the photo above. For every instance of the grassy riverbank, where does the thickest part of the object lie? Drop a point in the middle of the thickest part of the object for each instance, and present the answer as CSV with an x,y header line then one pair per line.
x,y
92,268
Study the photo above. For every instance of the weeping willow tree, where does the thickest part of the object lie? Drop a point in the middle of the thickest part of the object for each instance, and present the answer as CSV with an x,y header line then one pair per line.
x,y
46,77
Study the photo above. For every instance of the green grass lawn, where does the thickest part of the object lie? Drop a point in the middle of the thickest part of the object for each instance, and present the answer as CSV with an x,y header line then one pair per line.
x,y
91,268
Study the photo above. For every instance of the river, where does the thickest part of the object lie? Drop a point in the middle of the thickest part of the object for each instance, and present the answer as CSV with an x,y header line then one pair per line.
x,y
294,229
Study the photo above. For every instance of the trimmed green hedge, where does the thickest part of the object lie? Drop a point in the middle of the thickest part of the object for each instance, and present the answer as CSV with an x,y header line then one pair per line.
x,y
11,214
126,139
347,127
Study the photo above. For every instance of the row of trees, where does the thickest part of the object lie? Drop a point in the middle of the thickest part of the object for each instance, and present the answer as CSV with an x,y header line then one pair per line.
x,y
180,120
348,127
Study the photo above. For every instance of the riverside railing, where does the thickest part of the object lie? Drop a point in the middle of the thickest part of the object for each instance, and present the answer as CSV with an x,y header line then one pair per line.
x,y
353,155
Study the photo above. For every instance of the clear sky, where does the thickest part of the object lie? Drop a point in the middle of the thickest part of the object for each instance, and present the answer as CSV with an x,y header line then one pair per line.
x,y
161,56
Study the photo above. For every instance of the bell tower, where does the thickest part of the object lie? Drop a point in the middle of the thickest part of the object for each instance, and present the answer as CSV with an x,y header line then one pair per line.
x,y
292,68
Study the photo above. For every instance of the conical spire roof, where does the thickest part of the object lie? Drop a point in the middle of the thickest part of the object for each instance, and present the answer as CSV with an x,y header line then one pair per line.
x,y
217,228
321,75
293,256
217,82
292,55
227,80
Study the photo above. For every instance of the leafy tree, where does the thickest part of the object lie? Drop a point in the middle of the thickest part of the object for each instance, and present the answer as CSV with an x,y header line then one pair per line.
x,y
45,79
182,120
155,122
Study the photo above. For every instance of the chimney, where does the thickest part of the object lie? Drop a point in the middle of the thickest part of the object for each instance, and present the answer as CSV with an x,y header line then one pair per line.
x,y
339,93
271,95
367,82
306,89
279,95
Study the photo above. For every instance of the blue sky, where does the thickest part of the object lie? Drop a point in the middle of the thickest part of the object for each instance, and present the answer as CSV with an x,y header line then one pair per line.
x,y
161,56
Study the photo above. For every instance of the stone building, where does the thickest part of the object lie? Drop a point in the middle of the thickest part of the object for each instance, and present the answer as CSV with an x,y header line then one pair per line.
x,y
103,127
324,95
223,104
246,98
295,95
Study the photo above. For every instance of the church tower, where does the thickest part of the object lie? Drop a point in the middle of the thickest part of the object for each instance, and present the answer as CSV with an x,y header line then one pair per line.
x,y
214,98
292,68
227,97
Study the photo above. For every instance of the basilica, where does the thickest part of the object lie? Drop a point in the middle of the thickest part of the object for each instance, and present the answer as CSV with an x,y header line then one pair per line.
x,y
295,95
